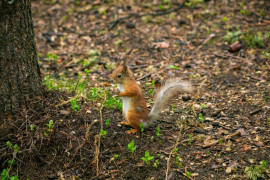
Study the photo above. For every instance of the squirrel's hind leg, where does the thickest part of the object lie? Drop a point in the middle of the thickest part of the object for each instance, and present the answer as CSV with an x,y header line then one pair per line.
x,y
132,131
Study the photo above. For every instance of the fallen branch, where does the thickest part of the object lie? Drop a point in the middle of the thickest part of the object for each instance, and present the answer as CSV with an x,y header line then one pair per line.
x,y
176,144
114,23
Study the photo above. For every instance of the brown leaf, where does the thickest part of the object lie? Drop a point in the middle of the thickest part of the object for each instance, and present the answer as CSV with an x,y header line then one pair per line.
x,y
242,132
163,44
246,148
259,143
64,112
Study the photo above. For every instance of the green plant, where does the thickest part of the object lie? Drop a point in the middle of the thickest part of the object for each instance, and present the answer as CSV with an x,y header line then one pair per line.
x,y
156,163
254,40
256,171
87,72
190,139
173,107
153,83
224,19
158,131
142,127
115,156
5,175
201,118
113,102
188,174
203,106
261,13
9,144
5,172
15,148
102,133
174,67
52,56
50,125
220,141
231,37
107,122
147,158
178,163
193,3
131,147
175,150
74,106
150,92
32,127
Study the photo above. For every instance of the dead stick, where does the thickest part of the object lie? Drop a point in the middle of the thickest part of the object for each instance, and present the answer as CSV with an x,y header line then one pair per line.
x,y
221,56
237,57
176,144
255,111
145,76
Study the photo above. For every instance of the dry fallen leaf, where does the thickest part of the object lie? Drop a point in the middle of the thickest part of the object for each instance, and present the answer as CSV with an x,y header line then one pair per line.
x,y
163,44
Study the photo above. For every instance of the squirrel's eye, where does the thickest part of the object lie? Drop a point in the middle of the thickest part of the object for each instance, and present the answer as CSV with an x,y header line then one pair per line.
x,y
119,75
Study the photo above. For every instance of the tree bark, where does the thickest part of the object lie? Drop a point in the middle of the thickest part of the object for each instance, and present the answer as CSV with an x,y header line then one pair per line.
x,y
20,78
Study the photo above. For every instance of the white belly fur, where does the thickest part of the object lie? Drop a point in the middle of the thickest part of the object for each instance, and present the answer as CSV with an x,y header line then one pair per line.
x,y
126,100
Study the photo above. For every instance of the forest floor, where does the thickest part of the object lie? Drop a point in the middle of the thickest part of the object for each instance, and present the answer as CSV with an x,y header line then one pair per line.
x,y
220,132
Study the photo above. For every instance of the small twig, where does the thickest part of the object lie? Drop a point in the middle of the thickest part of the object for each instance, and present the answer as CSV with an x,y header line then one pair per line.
x,y
176,144
138,66
145,76
236,57
87,134
114,23
97,137
206,40
255,111
221,56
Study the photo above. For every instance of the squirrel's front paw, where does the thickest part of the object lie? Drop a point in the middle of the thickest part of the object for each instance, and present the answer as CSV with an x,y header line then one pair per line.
x,y
125,123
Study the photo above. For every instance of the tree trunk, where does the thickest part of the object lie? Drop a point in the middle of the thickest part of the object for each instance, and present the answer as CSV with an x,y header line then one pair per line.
x,y
20,78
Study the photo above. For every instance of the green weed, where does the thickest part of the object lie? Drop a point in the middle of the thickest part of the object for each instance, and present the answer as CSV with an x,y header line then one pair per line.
x,y
201,118
147,158
131,147
156,163
102,133
190,139
74,106
256,171
142,127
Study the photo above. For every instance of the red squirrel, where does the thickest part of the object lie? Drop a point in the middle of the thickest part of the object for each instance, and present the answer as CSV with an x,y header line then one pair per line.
x,y
134,108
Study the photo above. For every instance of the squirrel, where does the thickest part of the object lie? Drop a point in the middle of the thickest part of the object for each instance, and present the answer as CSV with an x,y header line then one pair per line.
x,y
134,108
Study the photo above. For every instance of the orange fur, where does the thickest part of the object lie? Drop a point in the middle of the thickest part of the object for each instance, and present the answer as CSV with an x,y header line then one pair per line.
x,y
134,106
137,112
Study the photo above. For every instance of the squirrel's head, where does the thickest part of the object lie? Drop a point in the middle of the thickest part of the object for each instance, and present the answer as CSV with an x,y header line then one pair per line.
x,y
121,74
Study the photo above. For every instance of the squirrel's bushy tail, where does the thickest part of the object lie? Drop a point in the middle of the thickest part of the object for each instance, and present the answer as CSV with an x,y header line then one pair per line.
x,y
166,92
